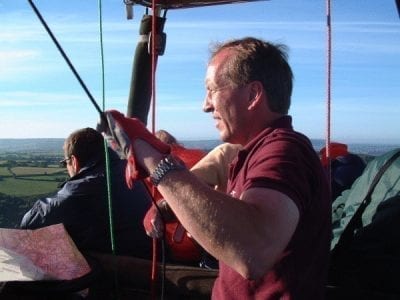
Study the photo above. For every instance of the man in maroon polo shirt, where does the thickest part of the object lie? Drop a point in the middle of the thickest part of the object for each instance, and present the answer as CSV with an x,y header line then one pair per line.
x,y
271,231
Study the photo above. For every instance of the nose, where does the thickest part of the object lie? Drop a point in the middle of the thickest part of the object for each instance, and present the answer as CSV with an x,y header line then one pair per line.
x,y
207,104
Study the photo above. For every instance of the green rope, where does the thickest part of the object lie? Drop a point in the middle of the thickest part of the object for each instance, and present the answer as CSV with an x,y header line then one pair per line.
x,y
107,156
108,169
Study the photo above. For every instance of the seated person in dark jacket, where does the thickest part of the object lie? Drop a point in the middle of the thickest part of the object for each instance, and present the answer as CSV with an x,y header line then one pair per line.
x,y
82,203
345,167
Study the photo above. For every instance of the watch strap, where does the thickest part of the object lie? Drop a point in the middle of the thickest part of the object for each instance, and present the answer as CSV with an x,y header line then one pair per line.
x,y
166,165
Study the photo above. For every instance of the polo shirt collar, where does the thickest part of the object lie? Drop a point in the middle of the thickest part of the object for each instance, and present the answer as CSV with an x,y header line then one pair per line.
x,y
284,122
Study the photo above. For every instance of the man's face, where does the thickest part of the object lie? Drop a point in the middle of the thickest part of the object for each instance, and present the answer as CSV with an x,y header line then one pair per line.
x,y
227,103
67,162
70,168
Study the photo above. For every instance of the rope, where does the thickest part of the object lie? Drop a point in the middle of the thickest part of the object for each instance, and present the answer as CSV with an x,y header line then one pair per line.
x,y
107,156
101,113
91,98
71,66
154,56
152,192
108,169
328,86
153,100
96,106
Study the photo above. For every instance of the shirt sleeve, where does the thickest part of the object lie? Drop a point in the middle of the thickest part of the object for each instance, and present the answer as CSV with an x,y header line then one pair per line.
x,y
288,168
44,212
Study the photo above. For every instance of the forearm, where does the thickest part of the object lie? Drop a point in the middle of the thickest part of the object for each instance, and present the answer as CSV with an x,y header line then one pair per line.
x,y
197,206
226,227
36,216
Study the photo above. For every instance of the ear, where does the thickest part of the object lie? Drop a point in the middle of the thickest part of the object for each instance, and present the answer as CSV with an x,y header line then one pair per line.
x,y
256,94
75,163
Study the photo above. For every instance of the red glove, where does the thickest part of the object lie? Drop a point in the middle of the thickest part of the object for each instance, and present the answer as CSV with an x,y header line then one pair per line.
x,y
120,133
153,223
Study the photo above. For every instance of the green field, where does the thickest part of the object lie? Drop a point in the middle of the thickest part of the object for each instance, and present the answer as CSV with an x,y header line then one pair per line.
x,y
30,181
5,171
24,178
26,187
23,171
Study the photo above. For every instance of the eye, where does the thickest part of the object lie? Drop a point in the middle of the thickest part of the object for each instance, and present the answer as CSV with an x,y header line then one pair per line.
x,y
209,92
212,91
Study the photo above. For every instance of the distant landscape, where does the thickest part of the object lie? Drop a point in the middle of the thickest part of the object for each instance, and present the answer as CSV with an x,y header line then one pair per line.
x,y
31,145
29,170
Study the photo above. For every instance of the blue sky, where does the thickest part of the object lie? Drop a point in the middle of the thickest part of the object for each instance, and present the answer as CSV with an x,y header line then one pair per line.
x,y
40,97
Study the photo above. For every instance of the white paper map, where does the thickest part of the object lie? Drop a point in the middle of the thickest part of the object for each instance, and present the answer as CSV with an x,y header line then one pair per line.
x,y
45,253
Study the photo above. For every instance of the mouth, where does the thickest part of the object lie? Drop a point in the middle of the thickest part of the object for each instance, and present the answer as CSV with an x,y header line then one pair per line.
x,y
217,122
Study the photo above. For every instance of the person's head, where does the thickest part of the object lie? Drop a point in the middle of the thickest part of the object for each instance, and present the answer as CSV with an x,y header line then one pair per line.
x,y
247,79
82,147
166,137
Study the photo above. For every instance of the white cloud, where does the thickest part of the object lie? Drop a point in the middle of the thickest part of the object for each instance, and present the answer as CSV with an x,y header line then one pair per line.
x,y
20,99
15,62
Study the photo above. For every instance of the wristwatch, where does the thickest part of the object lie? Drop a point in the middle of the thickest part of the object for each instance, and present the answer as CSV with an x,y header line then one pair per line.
x,y
166,165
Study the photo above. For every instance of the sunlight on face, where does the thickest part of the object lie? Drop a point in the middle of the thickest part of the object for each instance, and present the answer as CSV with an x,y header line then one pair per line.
x,y
224,100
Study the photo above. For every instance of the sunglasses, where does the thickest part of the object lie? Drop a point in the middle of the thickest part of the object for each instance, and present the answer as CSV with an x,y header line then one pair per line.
x,y
63,163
